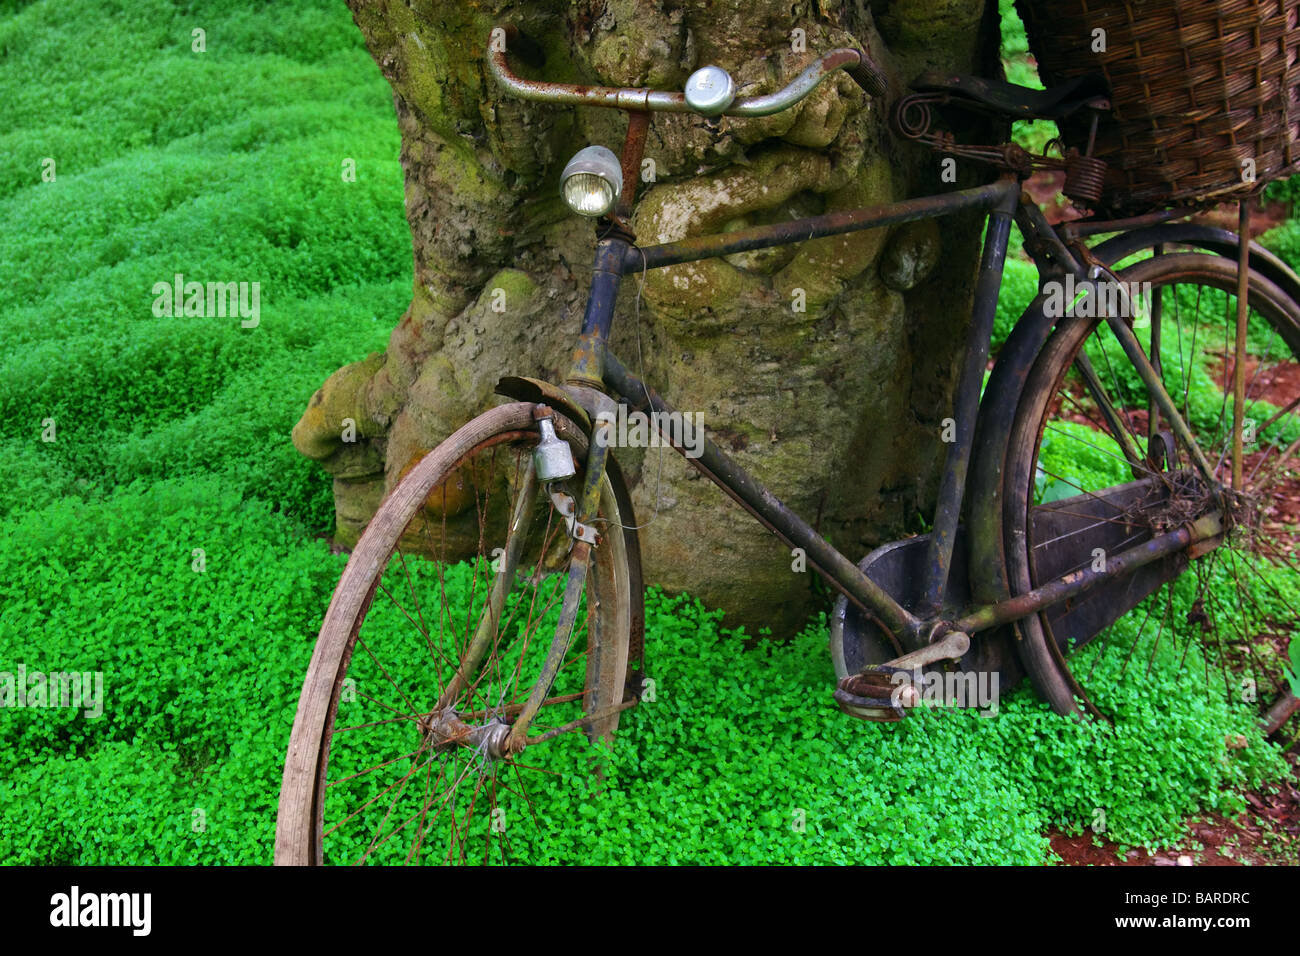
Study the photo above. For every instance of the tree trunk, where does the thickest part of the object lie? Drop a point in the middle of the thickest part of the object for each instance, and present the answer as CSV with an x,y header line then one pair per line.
x,y
825,369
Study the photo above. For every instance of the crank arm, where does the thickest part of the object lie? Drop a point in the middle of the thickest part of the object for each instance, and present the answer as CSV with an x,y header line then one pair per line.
x,y
950,647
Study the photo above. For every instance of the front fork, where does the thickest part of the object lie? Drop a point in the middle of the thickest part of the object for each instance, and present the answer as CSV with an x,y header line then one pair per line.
x,y
579,559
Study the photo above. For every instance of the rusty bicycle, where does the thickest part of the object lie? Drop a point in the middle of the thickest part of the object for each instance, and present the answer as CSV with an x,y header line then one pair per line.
x,y
494,605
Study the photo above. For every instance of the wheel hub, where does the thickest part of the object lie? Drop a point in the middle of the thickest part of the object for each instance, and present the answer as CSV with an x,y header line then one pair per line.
x,y
444,730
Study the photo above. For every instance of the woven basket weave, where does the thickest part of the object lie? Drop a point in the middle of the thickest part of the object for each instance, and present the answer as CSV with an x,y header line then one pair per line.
x,y
1197,87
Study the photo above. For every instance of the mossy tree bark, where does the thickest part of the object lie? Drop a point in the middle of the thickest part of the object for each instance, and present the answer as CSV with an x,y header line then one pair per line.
x,y
837,407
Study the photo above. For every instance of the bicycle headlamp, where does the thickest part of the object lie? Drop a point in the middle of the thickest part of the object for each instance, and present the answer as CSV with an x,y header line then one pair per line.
x,y
592,181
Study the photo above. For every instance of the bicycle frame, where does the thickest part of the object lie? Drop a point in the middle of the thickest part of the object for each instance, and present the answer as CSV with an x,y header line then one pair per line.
x,y
595,366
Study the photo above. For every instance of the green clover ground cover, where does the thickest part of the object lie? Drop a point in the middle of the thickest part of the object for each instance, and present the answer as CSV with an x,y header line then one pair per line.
x,y
172,435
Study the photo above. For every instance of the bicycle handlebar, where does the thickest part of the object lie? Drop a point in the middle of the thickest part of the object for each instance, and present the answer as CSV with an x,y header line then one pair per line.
x,y
854,62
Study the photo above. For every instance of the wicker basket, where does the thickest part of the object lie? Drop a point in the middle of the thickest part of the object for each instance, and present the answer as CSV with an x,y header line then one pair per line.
x,y
1197,87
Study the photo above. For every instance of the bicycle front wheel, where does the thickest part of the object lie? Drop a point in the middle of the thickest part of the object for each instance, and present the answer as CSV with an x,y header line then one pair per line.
x,y
1093,469
431,647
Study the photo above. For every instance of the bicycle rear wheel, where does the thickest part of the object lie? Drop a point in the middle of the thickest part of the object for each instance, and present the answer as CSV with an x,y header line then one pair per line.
x,y
1094,469
432,644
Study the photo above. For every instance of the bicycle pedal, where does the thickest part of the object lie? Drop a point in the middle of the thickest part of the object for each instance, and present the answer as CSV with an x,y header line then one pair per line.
x,y
872,694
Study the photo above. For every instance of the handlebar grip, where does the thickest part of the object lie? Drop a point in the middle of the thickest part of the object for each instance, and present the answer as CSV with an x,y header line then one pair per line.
x,y
868,76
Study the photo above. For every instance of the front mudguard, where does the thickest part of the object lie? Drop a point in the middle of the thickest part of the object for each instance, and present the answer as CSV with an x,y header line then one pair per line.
x,y
539,391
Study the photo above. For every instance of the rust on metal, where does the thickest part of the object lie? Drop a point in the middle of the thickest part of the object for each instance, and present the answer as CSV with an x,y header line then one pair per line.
x,y
579,559
586,367
966,400
1082,228
638,125
817,227
1239,352
536,391
771,511
586,364
1075,583
857,64
1155,387
871,696
585,720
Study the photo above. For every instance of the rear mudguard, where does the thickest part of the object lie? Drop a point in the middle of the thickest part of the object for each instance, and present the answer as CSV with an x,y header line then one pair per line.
x,y
1222,242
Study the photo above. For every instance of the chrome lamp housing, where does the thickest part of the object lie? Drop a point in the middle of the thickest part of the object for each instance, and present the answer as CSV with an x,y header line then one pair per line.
x,y
592,182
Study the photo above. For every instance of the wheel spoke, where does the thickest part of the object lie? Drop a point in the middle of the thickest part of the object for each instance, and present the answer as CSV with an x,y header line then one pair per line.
x,y
1080,421
421,778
